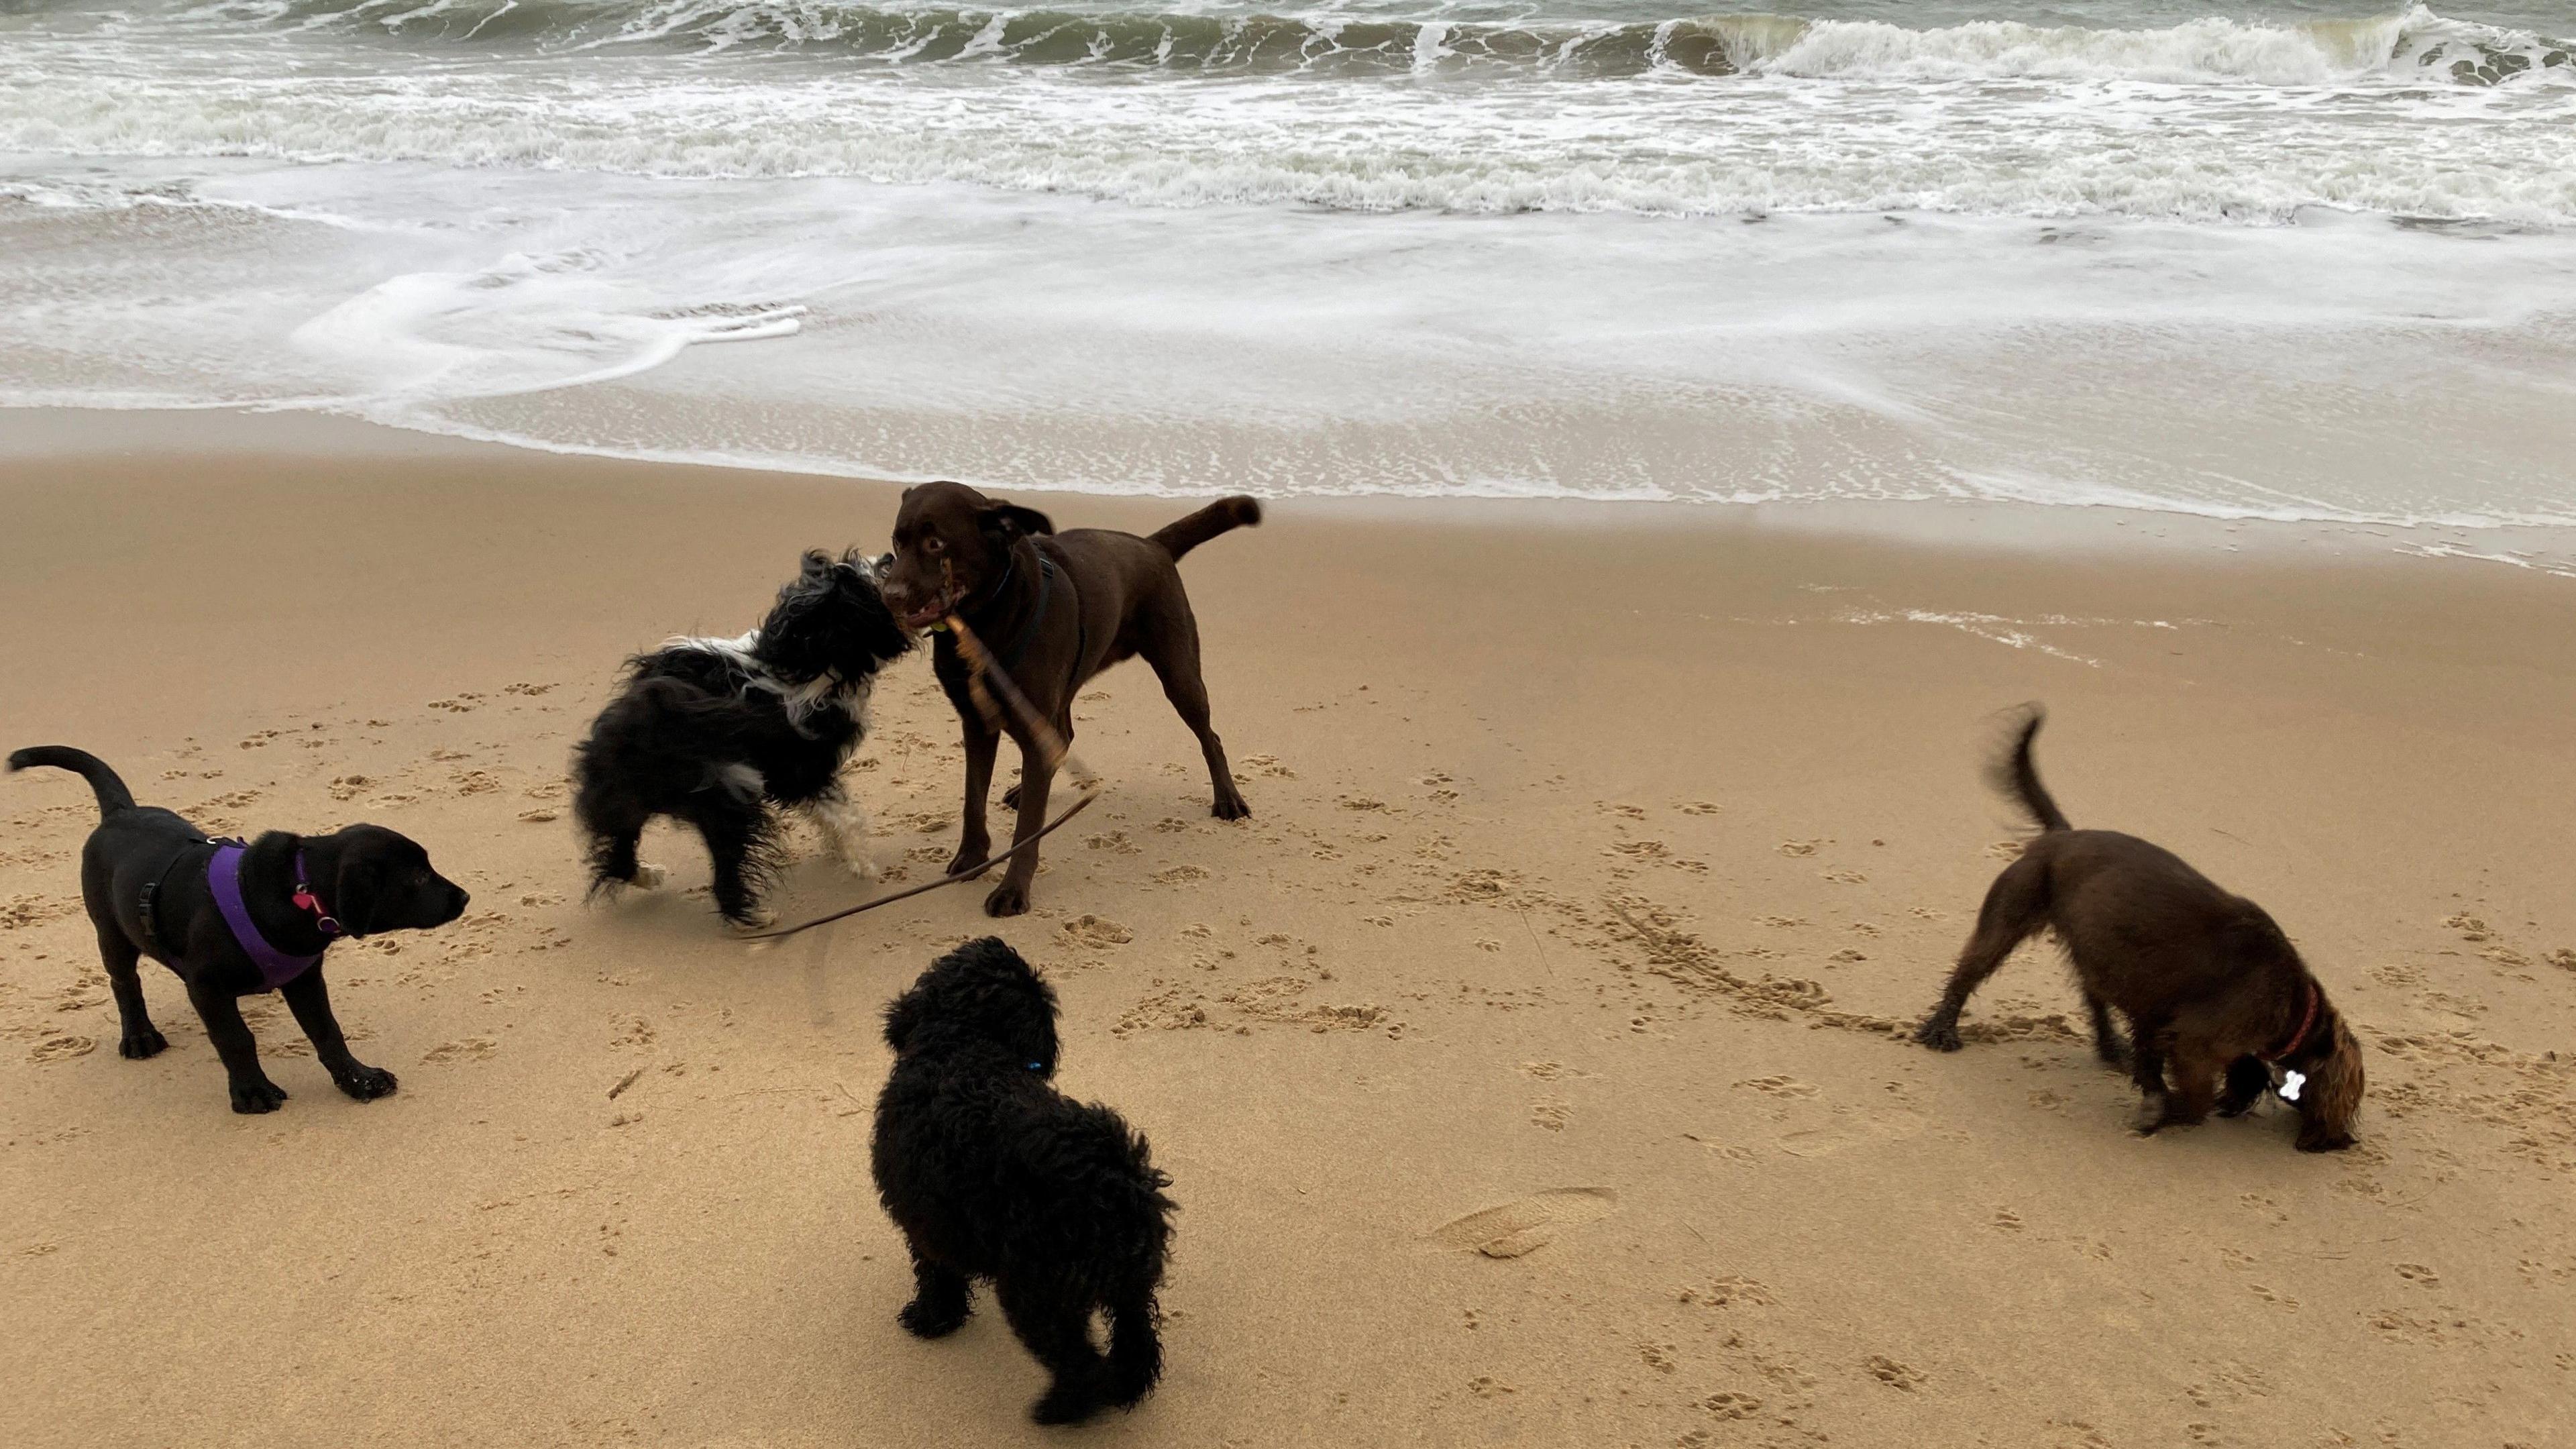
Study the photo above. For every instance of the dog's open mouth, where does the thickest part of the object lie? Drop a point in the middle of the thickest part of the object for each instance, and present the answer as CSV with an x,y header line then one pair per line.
x,y
927,615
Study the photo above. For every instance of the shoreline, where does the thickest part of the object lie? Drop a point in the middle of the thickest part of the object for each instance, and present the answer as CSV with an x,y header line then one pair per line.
x,y
67,434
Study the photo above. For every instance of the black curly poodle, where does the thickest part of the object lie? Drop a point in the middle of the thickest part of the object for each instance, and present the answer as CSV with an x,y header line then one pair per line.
x,y
992,1173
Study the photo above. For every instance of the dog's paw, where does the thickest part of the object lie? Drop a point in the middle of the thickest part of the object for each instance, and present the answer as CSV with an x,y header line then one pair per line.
x,y
137,1045
1011,798
366,1083
966,860
263,1095
1230,807
2315,1140
751,919
2161,1112
925,1320
1939,1035
1007,900
859,866
648,877
1065,1404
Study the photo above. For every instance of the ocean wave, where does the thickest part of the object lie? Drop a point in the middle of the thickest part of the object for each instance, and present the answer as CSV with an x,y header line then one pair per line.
x,y
2415,47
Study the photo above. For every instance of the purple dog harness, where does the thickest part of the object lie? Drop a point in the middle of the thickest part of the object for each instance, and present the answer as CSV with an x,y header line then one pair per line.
x,y
223,877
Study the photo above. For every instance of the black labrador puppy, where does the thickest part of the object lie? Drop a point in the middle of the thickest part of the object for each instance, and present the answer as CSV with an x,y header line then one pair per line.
x,y
232,919
1054,609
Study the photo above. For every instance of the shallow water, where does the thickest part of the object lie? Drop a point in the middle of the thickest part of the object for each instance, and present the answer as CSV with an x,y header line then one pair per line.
x,y
2280,260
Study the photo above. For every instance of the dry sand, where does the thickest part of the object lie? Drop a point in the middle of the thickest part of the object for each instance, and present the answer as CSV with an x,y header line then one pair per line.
x,y
1464,1156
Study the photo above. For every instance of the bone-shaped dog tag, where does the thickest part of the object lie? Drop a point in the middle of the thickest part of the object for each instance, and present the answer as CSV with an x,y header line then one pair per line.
x,y
2291,1082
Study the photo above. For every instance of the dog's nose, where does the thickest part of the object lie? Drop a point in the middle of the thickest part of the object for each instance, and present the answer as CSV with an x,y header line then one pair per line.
x,y
462,900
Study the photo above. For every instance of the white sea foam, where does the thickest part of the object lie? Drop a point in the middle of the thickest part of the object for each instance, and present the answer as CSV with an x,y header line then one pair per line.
x,y
2251,265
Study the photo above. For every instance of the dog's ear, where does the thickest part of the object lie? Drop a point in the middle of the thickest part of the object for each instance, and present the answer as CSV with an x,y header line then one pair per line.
x,y
901,1015
1007,521
816,564
2332,1100
357,883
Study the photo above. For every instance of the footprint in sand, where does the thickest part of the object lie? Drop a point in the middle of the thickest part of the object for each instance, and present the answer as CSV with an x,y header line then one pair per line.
x,y
1851,1129
1893,1374
1516,1229
1778,1086
468,1049
18,911
1732,1291
61,1049
1096,932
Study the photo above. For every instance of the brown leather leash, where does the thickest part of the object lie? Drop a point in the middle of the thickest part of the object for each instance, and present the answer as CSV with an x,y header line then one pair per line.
x,y
985,680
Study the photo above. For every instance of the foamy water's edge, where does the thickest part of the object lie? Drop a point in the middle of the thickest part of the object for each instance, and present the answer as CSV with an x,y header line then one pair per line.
x,y
2299,261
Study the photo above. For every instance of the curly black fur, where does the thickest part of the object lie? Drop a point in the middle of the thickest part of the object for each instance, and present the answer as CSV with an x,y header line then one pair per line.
x,y
721,733
992,1173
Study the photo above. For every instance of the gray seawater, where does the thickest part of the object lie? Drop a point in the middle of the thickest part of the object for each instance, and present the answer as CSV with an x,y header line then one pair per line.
x,y
2278,259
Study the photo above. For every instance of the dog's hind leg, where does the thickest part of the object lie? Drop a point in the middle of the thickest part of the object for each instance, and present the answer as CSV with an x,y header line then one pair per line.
x,y
310,999
252,1091
1171,645
2016,905
1135,1349
612,856
137,1037
939,1299
1057,1330
741,844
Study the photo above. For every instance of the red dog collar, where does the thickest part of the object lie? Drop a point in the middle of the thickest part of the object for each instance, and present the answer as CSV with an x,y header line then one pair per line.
x,y
2307,1019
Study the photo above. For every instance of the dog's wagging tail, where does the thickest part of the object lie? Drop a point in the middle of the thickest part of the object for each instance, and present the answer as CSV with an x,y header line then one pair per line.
x,y
2216,996
103,782
1223,516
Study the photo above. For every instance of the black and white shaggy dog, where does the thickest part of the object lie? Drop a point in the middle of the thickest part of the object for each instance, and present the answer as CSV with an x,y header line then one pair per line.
x,y
722,733
992,1173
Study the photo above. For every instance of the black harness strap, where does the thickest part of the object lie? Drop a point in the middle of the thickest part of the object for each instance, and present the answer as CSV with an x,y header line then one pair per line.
x,y
148,909
1009,658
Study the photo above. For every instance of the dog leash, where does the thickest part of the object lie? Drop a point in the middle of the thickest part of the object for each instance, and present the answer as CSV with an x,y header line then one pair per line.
x,y
1052,747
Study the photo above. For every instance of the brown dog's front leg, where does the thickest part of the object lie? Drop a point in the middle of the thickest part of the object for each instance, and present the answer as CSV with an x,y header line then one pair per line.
x,y
252,1091
975,842
310,999
1011,897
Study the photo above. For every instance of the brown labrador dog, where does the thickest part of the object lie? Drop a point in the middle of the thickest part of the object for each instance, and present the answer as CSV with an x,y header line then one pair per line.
x,y
2214,992
1054,610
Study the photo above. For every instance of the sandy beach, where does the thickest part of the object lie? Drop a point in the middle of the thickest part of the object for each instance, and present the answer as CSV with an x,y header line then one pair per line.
x,y
1526,1067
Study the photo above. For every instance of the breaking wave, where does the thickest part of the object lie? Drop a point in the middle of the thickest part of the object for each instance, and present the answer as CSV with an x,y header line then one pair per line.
x,y
2415,47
